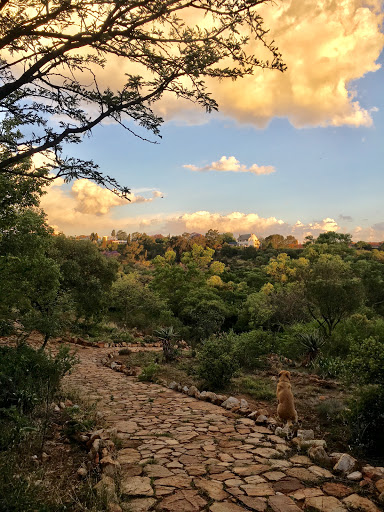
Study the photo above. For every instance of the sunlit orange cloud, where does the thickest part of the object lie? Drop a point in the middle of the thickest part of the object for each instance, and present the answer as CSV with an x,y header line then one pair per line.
x,y
326,45
100,211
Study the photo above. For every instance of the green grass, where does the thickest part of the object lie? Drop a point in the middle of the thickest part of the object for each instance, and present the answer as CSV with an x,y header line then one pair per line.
x,y
257,387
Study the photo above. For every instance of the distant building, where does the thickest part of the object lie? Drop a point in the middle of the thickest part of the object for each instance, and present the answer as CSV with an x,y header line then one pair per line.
x,y
248,240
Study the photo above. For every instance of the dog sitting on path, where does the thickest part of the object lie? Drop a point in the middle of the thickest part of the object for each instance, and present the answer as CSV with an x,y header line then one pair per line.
x,y
286,409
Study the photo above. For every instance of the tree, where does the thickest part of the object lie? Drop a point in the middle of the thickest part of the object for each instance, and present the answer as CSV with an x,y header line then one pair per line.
x,y
214,239
332,291
134,304
94,237
85,274
331,237
52,52
29,278
122,235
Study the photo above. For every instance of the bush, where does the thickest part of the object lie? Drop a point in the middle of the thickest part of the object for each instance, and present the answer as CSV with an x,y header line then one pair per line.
x,y
6,328
216,364
148,373
250,347
28,377
365,363
122,337
329,367
366,420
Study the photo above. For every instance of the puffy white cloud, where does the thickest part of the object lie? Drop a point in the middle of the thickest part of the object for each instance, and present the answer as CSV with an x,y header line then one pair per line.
x,y
91,198
231,164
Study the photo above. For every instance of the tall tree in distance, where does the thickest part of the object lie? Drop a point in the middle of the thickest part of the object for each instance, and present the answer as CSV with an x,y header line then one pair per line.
x,y
51,53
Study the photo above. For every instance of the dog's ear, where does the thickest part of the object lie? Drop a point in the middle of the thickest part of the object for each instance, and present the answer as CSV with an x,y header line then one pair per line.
x,y
288,374
281,373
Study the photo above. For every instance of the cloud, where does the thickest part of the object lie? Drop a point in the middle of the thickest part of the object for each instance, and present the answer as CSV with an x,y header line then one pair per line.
x,y
326,45
231,164
71,214
91,198
379,226
345,218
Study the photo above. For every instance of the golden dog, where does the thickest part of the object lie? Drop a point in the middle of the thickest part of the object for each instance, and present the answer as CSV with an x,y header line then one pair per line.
x,y
286,409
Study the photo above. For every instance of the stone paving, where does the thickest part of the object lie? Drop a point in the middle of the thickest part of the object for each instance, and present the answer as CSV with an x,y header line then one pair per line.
x,y
179,454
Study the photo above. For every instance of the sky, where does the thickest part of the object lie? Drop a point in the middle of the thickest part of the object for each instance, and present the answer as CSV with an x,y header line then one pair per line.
x,y
299,152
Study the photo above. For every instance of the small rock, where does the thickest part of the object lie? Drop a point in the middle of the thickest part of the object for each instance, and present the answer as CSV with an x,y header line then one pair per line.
x,y
373,473
185,389
303,444
193,391
114,507
243,404
173,385
306,435
212,397
380,485
203,395
82,472
261,419
355,476
282,432
106,488
231,402
345,464
319,455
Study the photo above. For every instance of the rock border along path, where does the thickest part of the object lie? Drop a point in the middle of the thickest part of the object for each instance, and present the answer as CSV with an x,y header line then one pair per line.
x,y
179,454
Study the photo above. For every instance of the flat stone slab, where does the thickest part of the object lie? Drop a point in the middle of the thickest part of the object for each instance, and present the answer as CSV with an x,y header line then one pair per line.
x,y
287,485
258,489
324,504
356,502
136,486
282,504
257,504
183,501
225,507
337,490
180,482
157,471
214,489
138,505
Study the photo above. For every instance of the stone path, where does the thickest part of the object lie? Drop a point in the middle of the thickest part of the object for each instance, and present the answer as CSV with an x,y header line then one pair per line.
x,y
179,454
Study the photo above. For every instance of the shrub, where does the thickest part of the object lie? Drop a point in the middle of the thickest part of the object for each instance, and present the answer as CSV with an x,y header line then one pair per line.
x,y
148,373
167,336
312,342
365,363
216,364
249,347
329,367
122,336
28,377
6,328
125,352
366,420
